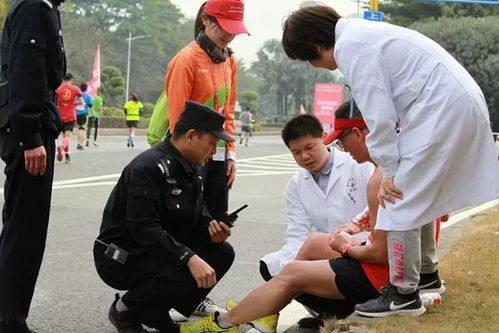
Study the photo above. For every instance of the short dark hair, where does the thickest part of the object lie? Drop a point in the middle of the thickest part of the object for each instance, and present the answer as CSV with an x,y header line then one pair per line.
x,y
300,126
83,87
313,24
343,112
68,76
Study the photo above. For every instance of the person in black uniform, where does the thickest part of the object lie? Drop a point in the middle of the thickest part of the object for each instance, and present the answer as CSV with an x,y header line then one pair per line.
x,y
157,239
33,64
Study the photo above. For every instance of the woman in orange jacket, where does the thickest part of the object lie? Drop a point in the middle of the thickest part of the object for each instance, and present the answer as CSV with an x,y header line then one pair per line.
x,y
205,71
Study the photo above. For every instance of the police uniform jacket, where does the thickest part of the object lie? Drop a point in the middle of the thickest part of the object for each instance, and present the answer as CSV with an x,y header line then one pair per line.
x,y
157,206
33,62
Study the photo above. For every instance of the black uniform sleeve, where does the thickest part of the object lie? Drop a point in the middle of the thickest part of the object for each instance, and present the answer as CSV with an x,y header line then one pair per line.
x,y
30,26
143,214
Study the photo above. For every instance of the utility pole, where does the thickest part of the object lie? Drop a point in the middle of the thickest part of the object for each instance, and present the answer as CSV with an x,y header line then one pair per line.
x,y
129,39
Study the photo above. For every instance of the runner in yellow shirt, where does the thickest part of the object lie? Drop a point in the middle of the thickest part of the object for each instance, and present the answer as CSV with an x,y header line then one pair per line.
x,y
133,108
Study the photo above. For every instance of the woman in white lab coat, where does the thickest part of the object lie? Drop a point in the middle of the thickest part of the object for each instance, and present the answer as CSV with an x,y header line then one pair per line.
x,y
442,160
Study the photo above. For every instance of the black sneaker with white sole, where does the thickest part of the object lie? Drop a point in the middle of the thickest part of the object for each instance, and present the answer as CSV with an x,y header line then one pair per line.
x,y
124,321
391,302
430,283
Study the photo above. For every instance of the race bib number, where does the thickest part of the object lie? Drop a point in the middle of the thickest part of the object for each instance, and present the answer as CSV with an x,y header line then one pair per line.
x,y
220,154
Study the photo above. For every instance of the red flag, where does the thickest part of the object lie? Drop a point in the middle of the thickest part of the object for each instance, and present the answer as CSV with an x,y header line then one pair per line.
x,y
94,82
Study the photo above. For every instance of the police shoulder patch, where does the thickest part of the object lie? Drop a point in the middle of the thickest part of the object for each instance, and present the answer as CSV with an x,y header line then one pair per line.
x,y
48,3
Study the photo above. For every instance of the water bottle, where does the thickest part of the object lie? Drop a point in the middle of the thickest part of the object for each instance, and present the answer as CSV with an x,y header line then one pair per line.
x,y
430,299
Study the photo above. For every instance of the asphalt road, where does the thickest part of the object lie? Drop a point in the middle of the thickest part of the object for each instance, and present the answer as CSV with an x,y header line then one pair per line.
x,y
70,297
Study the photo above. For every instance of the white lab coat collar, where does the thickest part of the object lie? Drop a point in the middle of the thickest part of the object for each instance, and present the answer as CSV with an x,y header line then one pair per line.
x,y
334,175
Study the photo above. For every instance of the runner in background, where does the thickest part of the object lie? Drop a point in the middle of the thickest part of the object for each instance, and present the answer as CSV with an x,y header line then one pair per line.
x,y
82,111
93,118
246,120
133,108
68,95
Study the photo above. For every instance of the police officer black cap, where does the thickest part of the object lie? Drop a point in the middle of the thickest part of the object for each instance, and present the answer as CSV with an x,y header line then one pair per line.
x,y
199,116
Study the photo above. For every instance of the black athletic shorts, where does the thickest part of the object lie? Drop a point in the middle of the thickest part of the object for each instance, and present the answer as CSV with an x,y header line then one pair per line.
x,y
351,280
132,123
81,120
68,126
246,128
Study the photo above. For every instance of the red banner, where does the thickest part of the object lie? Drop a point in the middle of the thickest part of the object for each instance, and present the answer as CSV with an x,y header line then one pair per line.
x,y
94,82
328,97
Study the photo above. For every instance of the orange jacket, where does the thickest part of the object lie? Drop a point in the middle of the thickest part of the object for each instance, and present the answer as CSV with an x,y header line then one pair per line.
x,y
190,76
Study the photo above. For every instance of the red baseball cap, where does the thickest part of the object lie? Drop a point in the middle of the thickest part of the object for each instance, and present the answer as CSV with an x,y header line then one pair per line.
x,y
341,124
229,14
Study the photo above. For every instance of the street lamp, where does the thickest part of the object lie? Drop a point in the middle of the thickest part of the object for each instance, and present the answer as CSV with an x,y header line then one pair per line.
x,y
129,39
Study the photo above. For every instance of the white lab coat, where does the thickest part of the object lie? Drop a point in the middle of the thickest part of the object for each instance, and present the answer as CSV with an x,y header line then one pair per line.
x,y
309,209
444,157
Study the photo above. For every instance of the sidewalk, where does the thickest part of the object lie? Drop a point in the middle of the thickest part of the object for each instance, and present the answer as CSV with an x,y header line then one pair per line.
x,y
450,232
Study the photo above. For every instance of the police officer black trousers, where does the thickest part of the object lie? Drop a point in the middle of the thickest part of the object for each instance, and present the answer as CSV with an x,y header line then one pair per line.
x,y
155,284
25,221
215,190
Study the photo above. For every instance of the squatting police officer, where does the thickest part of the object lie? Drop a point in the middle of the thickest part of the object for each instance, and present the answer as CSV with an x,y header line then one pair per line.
x,y
157,239
33,64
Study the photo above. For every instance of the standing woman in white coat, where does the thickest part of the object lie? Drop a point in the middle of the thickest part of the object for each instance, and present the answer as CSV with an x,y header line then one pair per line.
x,y
442,160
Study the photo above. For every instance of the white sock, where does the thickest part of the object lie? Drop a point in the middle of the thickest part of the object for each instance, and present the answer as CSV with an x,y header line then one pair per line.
x,y
221,322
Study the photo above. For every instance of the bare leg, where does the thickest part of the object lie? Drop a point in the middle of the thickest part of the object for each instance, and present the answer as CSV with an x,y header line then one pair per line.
x,y
316,247
81,136
313,277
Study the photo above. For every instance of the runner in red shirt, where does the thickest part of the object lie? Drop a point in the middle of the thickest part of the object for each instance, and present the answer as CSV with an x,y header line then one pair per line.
x,y
68,97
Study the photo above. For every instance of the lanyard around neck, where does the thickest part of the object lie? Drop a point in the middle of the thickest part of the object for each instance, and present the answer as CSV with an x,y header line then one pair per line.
x,y
215,87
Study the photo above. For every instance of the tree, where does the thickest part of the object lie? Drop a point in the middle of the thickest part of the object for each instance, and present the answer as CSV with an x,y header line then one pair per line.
x,y
286,84
109,22
246,79
250,99
474,42
407,12
112,86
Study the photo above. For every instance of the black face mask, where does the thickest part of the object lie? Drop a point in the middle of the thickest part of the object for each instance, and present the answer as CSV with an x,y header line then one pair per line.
x,y
216,53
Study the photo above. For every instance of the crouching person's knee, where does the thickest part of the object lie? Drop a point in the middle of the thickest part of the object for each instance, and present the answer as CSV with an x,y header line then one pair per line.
x,y
221,258
290,275
315,243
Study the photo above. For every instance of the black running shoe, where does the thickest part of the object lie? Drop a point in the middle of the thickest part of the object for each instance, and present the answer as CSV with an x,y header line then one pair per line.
x,y
391,302
430,283
124,321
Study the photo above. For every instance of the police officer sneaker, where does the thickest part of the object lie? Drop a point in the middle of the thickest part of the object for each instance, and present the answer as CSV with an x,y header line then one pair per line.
x,y
206,308
430,283
124,321
391,302
266,324
177,316
207,325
